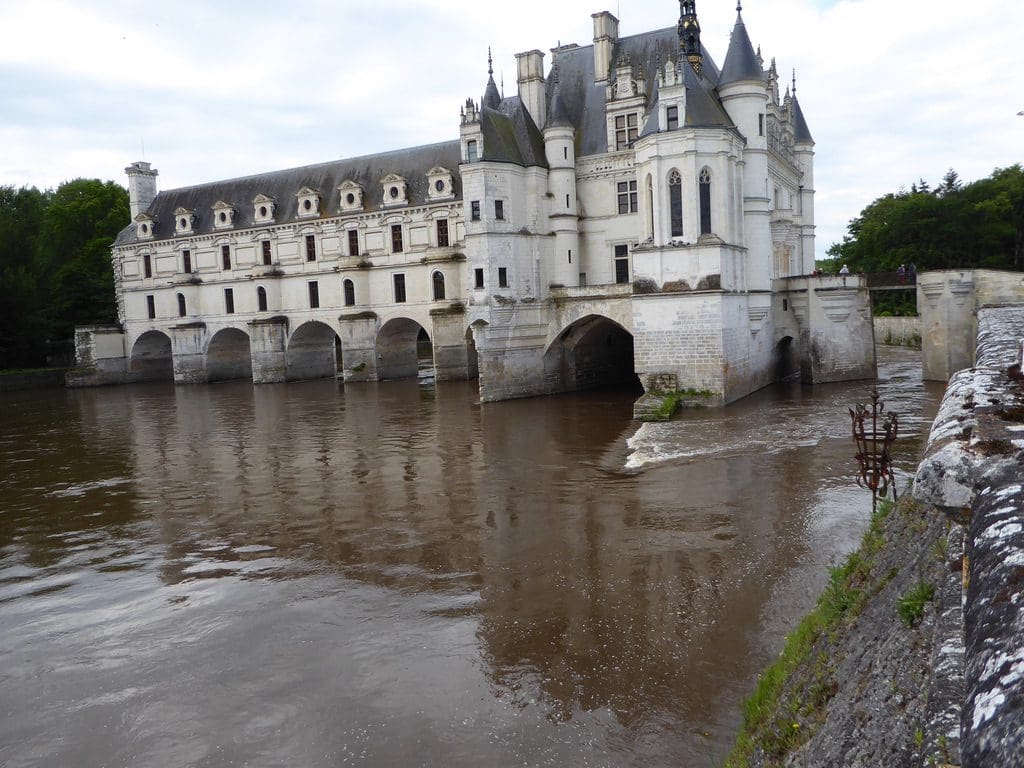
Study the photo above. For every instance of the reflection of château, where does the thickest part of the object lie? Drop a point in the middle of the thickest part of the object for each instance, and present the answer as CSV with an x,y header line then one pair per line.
x,y
634,209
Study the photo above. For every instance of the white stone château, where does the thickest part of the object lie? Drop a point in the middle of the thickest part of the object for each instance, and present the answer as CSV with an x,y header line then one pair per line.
x,y
634,211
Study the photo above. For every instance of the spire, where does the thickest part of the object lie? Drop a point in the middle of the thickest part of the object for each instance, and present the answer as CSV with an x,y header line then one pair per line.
x,y
741,63
492,99
689,34
801,133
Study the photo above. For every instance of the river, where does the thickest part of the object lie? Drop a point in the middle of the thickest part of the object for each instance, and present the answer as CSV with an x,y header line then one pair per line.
x,y
391,575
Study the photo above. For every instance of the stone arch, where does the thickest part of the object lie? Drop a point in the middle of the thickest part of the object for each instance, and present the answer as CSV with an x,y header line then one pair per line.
x,y
786,359
229,356
314,352
594,351
403,349
152,358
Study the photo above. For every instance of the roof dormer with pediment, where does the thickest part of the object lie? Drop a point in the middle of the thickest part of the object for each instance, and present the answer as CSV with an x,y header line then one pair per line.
x,y
263,209
440,184
223,215
145,226
395,190
309,203
351,196
184,221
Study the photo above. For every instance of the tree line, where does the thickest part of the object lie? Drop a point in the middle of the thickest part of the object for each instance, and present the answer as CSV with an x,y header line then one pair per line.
x,y
950,226
55,270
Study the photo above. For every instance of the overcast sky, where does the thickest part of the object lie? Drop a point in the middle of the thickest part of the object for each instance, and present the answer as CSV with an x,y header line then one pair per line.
x,y
893,90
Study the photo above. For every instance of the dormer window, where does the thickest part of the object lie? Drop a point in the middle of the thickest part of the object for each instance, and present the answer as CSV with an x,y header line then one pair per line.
x,y
223,215
627,129
184,221
309,203
394,190
440,184
350,196
263,209
145,226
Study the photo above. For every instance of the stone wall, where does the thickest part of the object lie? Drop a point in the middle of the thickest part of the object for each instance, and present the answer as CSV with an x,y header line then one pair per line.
x,y
898,331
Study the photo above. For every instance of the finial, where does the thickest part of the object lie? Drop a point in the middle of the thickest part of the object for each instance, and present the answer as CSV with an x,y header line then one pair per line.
x,y
739,6
503,84
794,81
490,62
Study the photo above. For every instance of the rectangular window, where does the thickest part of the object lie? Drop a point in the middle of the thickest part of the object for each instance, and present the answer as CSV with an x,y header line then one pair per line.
x,y
314,294
442,233
353,242
267,256
583,279
503,277
760,125
499,210
568,202
225,256
181,306
672,115
627,197
310,248
399,289
396,238
229,301
151,307
147,265
478,278
621,264
474,210
471,151
186,262
626,130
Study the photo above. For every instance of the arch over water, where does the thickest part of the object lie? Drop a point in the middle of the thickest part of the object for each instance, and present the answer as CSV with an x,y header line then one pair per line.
x,y
595,351
314,352
152,358
229,356
403,348
786,358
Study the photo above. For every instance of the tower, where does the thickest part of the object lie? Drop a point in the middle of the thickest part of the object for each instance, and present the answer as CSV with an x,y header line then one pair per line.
x,y
689,34
141,186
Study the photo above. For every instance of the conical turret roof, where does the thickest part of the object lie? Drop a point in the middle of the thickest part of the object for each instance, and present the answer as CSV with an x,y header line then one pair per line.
x,y
558,115
741,61
801,133
492,98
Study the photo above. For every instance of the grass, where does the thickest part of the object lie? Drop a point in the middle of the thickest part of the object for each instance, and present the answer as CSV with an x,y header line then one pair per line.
x,y
772,715
911,605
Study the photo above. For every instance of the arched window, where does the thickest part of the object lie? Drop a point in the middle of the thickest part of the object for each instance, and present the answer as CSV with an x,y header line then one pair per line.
x,y
261,298
438,286
350,292
675,199
705,202
181,305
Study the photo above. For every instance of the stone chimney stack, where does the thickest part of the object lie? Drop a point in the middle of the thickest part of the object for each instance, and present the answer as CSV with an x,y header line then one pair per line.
x,y
532,86
141,186
606,34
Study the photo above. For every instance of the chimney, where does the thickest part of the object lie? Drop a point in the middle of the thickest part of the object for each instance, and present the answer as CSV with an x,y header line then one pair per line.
x,y
606,34
141,186
532,89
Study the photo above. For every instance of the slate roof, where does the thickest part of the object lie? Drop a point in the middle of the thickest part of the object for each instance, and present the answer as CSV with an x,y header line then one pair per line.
x,y
585,102
801,133
740,61
412,164
511,136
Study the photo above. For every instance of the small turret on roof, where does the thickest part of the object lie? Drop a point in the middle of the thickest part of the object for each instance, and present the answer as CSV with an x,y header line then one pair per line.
x,y
741,62
801,133
492,99
558,115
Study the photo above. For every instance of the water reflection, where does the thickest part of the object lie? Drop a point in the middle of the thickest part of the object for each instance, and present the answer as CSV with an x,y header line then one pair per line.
x,y
390,574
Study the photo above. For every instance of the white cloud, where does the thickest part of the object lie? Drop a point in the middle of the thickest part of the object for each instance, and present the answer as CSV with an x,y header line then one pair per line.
x,y
893,90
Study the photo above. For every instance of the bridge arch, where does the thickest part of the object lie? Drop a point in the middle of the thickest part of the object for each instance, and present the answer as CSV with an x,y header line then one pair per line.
x,y
229,356
152,357
314,352
594,351
786,358
403,348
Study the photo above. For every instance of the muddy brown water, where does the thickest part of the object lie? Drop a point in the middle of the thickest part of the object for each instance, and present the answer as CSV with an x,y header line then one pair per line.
x,y
392,575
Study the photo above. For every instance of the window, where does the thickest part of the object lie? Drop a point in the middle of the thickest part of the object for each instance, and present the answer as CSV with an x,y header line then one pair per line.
x,y
565,153
396,238
570,255
705,202
181,305
442,233
147,265
474,210
760,125
499,210
438,281
625,130
314,294
310,248
503,277
627,197
471,151
267,255
229,301
785,305
672,115
261,298
349,289
478,278
621,264
675,198
353,242
568,202
225,256
399,289
186,262
151,307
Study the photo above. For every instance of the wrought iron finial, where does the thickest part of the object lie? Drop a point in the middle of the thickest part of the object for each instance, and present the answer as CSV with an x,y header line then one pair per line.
x,y
874,448
490,62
